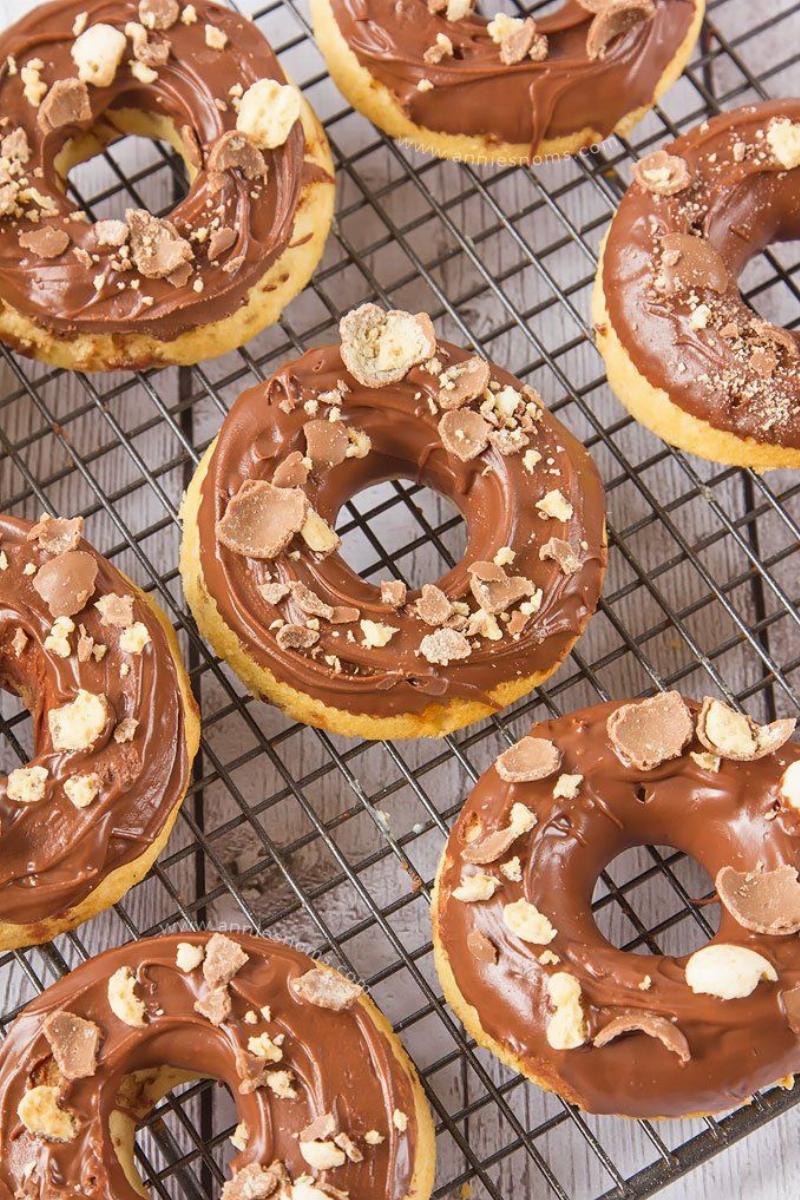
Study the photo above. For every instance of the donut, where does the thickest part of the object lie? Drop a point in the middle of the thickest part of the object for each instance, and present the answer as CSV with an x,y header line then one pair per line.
x,y
451,82
684,351
519,954
141,290
272,595
328,1103
115,730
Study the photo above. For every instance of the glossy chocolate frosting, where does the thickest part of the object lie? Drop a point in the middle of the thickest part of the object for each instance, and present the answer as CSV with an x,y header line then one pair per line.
x,y
475,93
340,1063
193,88
724,814
495,492
736,371
55,854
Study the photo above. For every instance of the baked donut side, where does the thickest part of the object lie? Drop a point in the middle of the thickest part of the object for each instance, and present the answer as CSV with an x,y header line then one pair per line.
x,y
516,946
455,84
260,562
115,731
326,1096
666,290
143,290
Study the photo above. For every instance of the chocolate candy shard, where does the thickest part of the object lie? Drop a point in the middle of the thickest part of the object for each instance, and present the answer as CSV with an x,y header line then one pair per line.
x,y
309,602
292,472
433,607
326,442
646,733
66,582
562,553
320,1128
530,759
215,1006
234,151
615,18
116,610
689,263
220,241
56,534
662,174
488,849
158,14
157,249
464,434
790,1003
494,590
262,519
463,382
66,103
74,1042
224,958
296,637
764,901
393,592
254,1182
444,646
480,947
518,42
736,736
325,988
381,347
47,241
651,1024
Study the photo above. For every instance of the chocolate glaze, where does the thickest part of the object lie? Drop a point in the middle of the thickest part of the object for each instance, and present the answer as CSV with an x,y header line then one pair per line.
x,y
497,504
739,207
729,817
341,1062
54,854
475,93
60,293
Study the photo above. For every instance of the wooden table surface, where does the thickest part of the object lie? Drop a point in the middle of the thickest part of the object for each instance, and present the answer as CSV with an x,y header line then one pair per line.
x,y
504,258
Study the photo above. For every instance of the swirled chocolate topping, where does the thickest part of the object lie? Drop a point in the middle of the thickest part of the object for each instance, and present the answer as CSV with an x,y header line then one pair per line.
x,y
612,1030
94,666
292,452
75,65
455,71
685,230
321,1096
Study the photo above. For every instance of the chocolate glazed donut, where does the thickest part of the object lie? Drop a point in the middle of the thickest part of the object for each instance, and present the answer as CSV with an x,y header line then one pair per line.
x,y
115,730
460,84
328,1102
666,291
517,948
269,590
78,74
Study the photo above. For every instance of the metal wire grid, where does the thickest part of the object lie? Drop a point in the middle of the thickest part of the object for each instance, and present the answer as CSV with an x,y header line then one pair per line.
x,y
333,844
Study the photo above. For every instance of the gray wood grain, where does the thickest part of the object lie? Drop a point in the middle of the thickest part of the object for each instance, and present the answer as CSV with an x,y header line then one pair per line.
x,y
520,288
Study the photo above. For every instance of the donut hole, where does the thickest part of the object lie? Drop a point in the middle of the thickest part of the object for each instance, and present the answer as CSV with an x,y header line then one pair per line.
x,y
640,905
766,292
152,1136
17,735
401,529
148,151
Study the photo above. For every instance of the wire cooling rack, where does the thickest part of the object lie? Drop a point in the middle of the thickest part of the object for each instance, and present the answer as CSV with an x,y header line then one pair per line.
x,y
333,845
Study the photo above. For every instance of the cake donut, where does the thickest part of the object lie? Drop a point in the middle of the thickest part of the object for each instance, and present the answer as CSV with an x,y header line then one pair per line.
x,y
493,88
143,290
273,596
328,1103
684,351
522,961
115,730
